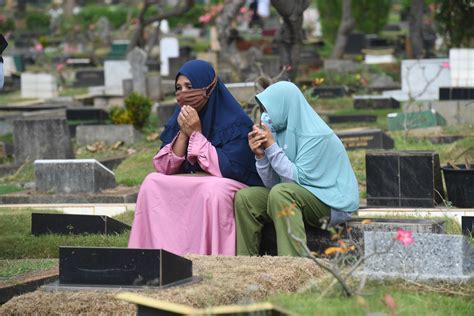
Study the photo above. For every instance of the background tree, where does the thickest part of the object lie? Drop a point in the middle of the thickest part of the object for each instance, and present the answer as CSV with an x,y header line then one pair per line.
x,y
455,20
345,28
163,13
415,28
290,35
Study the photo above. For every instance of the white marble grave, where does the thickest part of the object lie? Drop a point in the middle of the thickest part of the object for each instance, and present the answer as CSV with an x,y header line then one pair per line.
x,y
40,85
169,47
461,64
115,71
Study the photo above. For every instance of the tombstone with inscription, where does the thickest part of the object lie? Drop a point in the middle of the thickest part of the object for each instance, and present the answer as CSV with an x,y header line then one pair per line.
x,y
375,102
40,85
365,139
403,178
72,176
456,93
412,120
169,47
330,91
40,138
137,59
89,77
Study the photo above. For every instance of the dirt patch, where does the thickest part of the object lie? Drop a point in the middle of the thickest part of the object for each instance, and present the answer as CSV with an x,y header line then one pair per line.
x,y
226,280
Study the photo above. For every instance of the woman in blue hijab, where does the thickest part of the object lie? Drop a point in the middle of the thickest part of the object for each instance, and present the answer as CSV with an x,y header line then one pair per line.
x,y
206,136
305,169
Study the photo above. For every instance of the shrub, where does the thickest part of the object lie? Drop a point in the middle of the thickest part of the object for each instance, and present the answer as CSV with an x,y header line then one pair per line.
x,y
119,115
138,107
6,24
37,21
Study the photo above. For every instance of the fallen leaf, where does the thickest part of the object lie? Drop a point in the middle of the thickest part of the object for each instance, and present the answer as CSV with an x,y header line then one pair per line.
x,y
153,136
117,144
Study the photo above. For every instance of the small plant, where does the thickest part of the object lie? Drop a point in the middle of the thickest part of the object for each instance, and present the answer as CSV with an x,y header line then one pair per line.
x,y
120,115
138,107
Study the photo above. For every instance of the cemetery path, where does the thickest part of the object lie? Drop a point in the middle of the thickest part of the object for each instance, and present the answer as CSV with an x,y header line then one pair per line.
x,y
226,280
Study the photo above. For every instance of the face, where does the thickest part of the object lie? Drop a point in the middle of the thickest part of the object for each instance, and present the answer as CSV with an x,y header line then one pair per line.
x,y
183,84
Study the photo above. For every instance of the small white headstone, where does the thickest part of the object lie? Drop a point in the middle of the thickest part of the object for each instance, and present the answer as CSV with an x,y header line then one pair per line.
x,y
379,59
115,71
9,66
169,47
39,85
461,63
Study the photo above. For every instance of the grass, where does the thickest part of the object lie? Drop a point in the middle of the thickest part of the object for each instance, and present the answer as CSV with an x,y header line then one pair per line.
x,y
9,188
11,268
409,299
17,242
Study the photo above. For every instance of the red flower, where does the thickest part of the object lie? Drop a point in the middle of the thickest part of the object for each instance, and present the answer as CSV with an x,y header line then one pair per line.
x,y
404,236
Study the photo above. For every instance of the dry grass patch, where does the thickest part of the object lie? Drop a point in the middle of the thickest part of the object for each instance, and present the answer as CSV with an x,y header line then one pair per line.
x,y
226,280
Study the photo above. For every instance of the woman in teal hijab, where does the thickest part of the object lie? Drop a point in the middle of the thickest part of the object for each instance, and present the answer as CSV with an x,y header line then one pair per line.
x,y
305,168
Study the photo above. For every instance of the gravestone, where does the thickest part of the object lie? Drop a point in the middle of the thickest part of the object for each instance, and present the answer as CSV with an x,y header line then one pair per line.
x,y
164,112
467,224
72,176
84,266
89,78
403,178
118,50
38,138
153,86
86,113
169,47
39,85
375,102
461,65
355,118
455,112
340,65
357,226
422,78
330,91
137,59
103,29
74,224
431,257
355,43
175,63
373,138
79,62
6,150
109,134
412,120
453,93
115,71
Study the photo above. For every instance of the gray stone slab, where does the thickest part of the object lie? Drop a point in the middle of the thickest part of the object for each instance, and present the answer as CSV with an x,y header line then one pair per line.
x,y
84,198
72,176
164,112
41,139
429,257
422,78
109,134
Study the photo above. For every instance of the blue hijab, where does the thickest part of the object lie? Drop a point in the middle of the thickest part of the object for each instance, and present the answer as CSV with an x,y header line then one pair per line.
x,y
223,123
320,161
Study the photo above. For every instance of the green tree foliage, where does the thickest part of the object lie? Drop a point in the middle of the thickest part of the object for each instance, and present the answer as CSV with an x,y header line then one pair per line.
x,y
117,15
370,16
190,17
37,21
6,24
455,20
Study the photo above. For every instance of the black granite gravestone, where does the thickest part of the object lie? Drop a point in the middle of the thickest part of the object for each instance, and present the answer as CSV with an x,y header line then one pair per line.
x,y
467,223
330,91
87,113
75,224
403,178
375,102
365,139
355,43
89,78
84,266
454,93
79,62
355,118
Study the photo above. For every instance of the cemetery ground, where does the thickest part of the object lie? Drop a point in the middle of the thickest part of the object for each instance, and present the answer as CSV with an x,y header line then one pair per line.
x,y
295,284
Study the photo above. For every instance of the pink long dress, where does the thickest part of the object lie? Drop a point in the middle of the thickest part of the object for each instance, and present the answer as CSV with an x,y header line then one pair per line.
x,y
183,213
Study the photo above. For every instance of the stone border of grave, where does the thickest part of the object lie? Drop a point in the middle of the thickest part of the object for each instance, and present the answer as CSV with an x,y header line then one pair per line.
x,y
80,209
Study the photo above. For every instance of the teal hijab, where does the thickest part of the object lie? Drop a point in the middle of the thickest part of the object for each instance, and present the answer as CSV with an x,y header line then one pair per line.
x,y
320,161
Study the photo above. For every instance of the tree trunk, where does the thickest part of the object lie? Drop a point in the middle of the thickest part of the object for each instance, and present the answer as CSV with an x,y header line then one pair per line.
x,y
137,38
68,7
345,27
290,35
415,27
224,26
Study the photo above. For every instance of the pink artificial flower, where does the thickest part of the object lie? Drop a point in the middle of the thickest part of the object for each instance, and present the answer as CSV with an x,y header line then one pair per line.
x,y
243,10
445,64
205,18
38,47
60,67
404,236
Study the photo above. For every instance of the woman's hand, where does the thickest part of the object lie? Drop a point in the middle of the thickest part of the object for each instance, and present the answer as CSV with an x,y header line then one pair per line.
x,y
267,135
188,120
256,139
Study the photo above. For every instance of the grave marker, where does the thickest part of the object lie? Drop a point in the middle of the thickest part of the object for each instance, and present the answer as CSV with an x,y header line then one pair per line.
x,y
375,102
169,47
89,78
403,178
365,139
137,59
72,176
39,85
330,91
412,120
